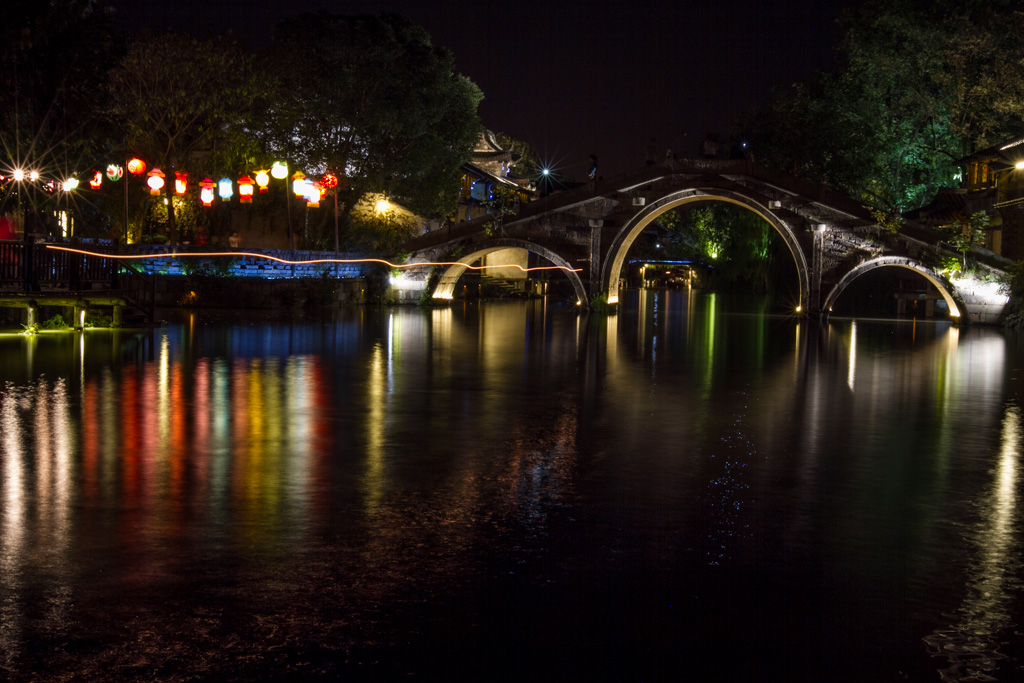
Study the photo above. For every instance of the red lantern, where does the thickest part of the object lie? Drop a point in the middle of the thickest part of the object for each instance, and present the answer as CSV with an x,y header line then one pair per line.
x,y
136,166
96,181
155,182
245,189
180,182
329,181
206,193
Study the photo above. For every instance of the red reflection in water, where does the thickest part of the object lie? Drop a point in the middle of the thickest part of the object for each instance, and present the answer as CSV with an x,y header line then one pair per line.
x,y
91,426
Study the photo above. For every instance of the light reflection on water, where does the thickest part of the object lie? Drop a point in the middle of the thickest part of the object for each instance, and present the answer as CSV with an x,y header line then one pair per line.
x,y
972,645
206,495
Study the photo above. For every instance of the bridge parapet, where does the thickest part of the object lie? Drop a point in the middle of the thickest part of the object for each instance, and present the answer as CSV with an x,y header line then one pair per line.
x,y
832,238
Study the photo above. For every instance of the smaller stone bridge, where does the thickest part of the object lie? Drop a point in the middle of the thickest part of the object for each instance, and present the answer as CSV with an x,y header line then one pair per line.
x,y
833,239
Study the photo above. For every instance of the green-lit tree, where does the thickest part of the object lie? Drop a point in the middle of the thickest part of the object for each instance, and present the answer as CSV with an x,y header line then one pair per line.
x,y
921,85
184,103
374,101
968,232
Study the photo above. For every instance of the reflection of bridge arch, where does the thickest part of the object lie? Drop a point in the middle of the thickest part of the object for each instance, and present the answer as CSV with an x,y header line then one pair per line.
x,y
632,229
445,288
956,305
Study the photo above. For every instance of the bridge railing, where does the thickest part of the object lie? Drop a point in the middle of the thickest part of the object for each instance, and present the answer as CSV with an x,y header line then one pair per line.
x,y
33,266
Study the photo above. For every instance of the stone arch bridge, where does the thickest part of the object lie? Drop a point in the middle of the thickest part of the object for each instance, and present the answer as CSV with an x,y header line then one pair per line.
x,y
588,231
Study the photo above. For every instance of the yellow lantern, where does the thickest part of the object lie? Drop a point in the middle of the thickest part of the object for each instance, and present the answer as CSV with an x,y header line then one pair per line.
x,y
263,179
299,183
279,170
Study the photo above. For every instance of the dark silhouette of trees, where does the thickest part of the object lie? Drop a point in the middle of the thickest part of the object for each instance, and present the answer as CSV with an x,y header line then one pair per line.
x,y
370,99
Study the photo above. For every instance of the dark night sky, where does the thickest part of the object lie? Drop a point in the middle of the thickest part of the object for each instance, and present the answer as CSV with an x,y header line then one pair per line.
x,y
575,78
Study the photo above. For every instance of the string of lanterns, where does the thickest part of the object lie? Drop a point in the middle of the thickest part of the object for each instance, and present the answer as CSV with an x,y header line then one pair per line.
x,y
309,190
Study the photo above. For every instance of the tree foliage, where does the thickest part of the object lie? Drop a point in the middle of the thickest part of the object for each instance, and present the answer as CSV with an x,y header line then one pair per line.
x,y
371,99
184,104
922,84
53,57
968,232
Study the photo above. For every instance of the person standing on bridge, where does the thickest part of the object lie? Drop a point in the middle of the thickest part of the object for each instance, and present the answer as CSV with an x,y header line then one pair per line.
x,y
593,168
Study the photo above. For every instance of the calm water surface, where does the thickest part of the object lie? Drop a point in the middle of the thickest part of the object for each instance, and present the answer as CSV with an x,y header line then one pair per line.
x,y
514,492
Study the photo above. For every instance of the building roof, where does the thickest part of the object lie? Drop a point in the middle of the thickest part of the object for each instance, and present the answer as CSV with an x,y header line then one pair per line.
x,y
1009,152
491,161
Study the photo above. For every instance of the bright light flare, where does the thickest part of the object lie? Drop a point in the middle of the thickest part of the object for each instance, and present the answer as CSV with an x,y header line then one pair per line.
x,y
287,262
19,175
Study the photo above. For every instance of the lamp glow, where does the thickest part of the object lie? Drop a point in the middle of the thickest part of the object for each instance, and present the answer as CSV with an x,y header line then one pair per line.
x,y
313,194
225,189
245,186
279,170
299,183
206,193
180,182
263,179
155,182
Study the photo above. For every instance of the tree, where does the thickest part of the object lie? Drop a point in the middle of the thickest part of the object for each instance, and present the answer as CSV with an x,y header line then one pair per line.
x,y
968,232
184,103
922,84
372,100
710,232
53,57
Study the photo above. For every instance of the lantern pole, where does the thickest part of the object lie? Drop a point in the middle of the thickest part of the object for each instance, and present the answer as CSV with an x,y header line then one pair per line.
x,y
124,177
335,232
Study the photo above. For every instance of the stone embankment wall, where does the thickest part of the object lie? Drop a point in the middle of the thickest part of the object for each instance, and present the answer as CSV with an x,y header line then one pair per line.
x,y
256,293
263,263
246,279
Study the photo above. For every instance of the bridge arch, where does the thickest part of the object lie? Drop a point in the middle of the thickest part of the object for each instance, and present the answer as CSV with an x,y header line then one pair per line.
x,y
445,288
956,305
612,270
